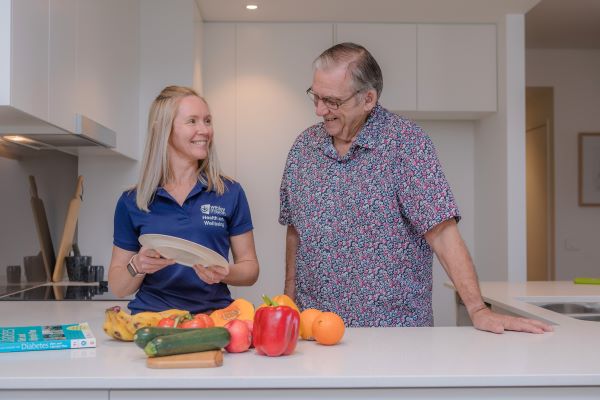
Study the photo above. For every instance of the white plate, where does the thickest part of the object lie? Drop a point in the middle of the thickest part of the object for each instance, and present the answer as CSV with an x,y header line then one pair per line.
x,y
181,250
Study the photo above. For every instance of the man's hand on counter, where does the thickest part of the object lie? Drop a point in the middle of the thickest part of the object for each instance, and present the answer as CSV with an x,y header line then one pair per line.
x,y
486,320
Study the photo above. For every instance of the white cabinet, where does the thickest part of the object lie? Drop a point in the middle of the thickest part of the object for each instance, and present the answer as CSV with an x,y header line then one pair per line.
x,y
456,67
40,59
432,70
219,74
60,58
255,76
394,46
25,56
94,66
274,64
62,68
4,52
108,47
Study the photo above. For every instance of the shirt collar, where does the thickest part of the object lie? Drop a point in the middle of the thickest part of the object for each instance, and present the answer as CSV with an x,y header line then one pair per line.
x,y
198,187
367,137
369,133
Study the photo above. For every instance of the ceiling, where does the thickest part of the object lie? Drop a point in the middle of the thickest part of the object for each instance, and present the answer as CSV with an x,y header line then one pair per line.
x,y
564,24
549,24
361,10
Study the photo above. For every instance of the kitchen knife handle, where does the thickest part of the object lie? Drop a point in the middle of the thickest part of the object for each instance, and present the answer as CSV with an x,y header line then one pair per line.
x,y
79,188
32,186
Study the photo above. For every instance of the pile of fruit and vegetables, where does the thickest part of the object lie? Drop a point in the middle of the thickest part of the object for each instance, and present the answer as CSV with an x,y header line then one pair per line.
x,y
273,329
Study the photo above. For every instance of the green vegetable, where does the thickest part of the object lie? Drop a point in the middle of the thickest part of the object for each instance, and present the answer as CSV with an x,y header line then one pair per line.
x,y
188,341
144,335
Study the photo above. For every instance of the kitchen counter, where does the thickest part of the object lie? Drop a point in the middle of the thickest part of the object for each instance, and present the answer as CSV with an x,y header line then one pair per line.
x,y
524,298
65,290
7,289
369,363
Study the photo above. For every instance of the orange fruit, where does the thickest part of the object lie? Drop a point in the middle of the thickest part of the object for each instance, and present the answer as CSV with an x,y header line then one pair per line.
x,y
328,328
306,322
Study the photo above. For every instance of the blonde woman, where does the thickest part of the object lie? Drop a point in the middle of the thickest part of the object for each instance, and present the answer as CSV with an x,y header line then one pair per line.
x,y
180,185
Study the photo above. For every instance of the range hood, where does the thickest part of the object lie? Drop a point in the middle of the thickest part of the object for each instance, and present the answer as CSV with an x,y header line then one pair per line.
x,y
19,127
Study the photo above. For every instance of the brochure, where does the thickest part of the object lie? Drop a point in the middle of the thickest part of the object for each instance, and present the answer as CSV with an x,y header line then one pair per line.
x,y
47,337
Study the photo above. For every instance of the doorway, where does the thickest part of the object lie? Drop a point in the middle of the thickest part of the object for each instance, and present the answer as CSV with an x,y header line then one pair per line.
x,y
539,149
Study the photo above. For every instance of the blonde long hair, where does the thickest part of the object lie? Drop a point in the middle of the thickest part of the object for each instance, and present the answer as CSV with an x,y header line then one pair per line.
x,y
156,169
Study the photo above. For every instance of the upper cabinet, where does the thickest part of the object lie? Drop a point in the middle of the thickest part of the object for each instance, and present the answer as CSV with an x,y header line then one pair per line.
x,y
62,68
60,59
25,56
456,67
394,46
108,67
432,69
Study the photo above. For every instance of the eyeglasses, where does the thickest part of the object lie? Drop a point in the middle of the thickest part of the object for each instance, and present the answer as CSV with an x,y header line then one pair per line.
x,y
331,103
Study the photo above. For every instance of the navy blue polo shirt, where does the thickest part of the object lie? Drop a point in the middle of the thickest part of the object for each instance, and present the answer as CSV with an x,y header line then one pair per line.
x,y
205,218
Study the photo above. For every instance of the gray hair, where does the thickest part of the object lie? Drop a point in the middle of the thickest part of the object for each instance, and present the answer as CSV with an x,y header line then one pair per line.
x,y
156,166
363,68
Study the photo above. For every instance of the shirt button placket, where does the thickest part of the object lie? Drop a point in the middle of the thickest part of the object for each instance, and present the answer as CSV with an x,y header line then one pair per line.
x,y
186,210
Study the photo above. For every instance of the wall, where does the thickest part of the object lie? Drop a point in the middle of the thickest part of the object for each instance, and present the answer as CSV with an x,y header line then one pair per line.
x,y
455,144
167,55
55,174
574,76
500,166
255,83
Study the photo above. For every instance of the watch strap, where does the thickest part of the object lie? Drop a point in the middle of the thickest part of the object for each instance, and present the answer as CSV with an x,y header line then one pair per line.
x,y
131,268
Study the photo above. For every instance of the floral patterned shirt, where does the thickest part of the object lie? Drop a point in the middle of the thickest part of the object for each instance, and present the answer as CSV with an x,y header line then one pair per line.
x,y
361,220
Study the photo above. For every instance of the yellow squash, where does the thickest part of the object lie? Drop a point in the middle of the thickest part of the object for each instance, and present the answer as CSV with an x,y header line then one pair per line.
x,y
239,309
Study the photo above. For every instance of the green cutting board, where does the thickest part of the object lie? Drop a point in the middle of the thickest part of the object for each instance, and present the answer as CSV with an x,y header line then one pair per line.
x,y
587,281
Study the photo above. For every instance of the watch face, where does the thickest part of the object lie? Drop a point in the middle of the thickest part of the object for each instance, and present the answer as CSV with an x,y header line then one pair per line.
x,y
131,270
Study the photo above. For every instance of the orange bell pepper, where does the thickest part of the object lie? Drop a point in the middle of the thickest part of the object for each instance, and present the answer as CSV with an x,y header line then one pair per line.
x,y
283,300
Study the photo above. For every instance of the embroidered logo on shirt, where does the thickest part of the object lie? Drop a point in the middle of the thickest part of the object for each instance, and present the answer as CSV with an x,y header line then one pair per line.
x,y
213,215
212,210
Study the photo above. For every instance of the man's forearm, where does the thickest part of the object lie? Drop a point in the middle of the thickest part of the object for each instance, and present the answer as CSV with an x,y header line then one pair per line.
x,y
456,261
446,242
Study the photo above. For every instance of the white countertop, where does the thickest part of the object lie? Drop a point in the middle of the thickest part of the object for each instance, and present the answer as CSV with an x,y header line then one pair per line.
x,y
367,358
518,297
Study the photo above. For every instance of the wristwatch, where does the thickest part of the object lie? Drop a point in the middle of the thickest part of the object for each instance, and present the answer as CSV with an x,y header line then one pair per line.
x,y
133,271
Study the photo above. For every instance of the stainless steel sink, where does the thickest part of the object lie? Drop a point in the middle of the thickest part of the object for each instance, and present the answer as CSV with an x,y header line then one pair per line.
x,y
588,311
573,308
587,317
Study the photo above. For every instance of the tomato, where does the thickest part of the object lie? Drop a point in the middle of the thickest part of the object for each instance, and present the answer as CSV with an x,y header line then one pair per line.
x,y
199,321
208,321
192,323
167,322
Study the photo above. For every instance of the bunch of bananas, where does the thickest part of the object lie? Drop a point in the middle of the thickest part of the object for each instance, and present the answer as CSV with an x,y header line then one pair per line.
x,y
122,326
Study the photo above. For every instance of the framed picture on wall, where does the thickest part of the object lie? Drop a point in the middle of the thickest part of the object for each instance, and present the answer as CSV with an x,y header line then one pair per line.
x,y
589,169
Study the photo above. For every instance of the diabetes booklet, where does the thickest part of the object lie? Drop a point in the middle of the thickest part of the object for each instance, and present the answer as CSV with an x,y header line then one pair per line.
x,y
46,337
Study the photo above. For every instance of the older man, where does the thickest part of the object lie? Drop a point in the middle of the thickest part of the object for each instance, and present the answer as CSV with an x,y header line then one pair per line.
x,y
366,205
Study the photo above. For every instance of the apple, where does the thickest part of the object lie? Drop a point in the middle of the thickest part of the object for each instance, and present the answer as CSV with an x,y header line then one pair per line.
x,y
251,327
241,336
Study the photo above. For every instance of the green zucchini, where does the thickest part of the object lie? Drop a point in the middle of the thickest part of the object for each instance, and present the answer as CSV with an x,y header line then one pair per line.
x,y
144,335
189,341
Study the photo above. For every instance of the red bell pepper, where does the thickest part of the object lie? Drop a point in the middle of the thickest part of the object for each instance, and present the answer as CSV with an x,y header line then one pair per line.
x,y
275,329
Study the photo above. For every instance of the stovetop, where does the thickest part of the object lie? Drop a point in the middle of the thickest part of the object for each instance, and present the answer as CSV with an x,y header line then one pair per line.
x,y
59,291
